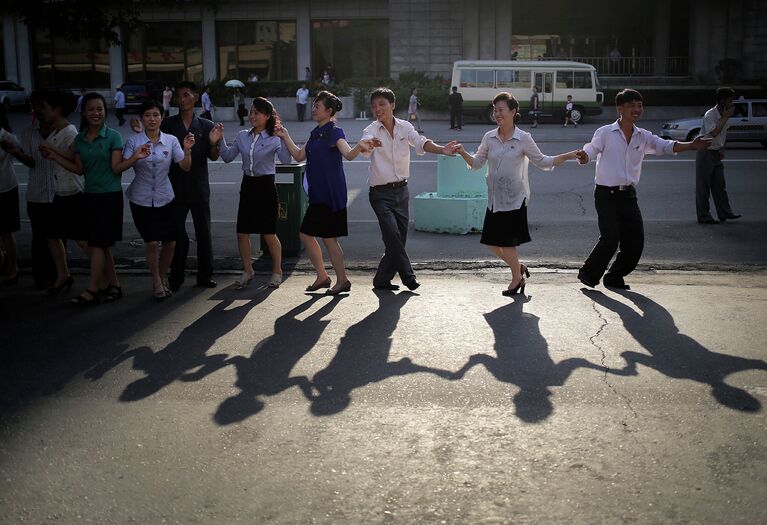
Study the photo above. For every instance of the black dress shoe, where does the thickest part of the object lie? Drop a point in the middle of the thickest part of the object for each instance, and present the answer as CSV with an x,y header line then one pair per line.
x,y
206,283
387,286
616,283
412,285
709,220
582,278
730,217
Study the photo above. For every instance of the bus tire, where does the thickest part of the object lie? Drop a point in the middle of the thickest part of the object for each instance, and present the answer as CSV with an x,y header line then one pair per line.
x,y
578,114
489,118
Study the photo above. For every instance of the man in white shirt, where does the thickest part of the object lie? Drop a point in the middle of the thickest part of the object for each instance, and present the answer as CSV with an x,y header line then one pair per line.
x,y
619,149
120,106
207,105
389,171
709,170
302,97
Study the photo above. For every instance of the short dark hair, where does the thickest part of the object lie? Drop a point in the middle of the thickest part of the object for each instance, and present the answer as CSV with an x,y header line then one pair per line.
x,y
187,84
265,107
150,104
87,98
455,88
723,93
383,92
507,97
627,95
64,100
330,101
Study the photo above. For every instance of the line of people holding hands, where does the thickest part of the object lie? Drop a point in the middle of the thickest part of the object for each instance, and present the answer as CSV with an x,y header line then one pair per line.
x,y
170,155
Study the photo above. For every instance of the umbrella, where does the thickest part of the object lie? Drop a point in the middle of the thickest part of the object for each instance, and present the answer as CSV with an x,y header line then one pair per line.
x,y
234,84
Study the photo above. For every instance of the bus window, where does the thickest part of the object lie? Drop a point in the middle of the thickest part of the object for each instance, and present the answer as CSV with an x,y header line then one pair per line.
x,y
582,80
564,79
477,78
511,78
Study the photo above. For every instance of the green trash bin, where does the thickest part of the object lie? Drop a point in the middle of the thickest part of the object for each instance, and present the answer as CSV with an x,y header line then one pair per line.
x,y
292,203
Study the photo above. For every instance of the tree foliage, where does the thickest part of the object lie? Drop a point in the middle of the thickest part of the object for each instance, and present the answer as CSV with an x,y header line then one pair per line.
x,y
76,20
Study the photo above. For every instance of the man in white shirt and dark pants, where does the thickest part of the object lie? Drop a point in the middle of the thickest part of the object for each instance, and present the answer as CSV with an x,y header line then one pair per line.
x,y
619,149
709,170
389,172
302,97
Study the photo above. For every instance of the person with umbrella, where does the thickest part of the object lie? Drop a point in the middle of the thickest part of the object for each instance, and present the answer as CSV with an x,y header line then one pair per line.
x,y
239,99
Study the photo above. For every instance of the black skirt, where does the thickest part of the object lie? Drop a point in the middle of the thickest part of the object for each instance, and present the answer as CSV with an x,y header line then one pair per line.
x,y
505,228
257,212
321,221
105,218
154,224
71,217
9,211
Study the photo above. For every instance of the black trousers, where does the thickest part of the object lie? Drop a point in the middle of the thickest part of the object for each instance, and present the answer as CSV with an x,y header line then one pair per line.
x,y
43,267
620,229
201,220
391,206
456,119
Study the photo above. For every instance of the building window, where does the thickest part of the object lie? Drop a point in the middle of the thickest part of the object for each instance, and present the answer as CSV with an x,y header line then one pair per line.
x,y
167,52
353,48
67,64
264,48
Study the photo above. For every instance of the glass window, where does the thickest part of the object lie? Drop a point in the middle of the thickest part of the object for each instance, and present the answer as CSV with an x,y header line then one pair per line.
x,y
582,80
564,79
67,64
740,110
167,52
759,109
511,78
352,48
468,77
266,49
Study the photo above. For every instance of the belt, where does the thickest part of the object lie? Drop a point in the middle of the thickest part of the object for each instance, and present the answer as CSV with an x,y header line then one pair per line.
x,y
398,184
622,187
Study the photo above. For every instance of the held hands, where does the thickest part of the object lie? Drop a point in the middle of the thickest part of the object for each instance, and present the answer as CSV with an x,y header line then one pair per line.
x,y
451,148
280,131
215,135
582,156
366,146
188,142
143,151
701,142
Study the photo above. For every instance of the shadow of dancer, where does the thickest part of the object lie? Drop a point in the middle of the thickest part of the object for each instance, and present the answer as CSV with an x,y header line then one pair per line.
x,y
267,371
675,354
523,360
363,357
189,350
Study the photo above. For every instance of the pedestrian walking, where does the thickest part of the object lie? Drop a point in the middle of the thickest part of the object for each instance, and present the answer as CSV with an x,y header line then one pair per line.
x,y
79,106
167,97
569,112
258,206
389,171
150,154
535,107
619,149
207,105
455,102
709,169
326,215
412,109
239,105
192,189
96,153
507,150
119,105
302,97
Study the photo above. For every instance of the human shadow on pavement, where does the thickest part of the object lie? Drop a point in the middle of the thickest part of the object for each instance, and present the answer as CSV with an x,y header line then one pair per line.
x,y
677,355
267,371
522,359
363,357
190,350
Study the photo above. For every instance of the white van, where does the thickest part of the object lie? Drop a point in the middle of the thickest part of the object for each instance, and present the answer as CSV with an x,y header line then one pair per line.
x,y
478,81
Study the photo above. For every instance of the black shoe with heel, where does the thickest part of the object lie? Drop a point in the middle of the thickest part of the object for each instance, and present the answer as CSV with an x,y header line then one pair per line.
x,y
520,287
66,285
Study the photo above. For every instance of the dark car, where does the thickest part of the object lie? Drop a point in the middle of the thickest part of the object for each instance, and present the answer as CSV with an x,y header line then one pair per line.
x,y
138,92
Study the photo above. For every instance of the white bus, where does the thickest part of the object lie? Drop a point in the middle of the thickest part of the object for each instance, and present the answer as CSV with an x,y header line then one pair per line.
x,y
479,81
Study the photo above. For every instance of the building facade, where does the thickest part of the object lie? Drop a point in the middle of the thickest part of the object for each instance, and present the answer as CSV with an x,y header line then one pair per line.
x,y
382,39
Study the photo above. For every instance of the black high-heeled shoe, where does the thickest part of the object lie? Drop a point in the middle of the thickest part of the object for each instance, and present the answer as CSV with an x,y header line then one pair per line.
x,y
520,287
523,270
55,290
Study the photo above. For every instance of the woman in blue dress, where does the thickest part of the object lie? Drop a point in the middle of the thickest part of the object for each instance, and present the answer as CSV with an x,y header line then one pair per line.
x,y
326,215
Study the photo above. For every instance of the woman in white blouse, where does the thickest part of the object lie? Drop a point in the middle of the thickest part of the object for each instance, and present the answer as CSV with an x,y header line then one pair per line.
x,y
508,150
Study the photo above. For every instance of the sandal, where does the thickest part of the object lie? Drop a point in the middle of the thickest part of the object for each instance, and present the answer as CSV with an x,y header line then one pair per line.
x,y
159,292
81,300
275,281
111,293
244,280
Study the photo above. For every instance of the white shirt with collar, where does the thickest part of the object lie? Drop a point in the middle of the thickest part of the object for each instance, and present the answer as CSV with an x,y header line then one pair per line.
x,y
67,183
507,184
391,162
710,120
619,163
151,186
302,96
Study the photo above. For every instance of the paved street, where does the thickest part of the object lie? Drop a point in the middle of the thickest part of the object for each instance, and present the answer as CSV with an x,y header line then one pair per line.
x,y
450,405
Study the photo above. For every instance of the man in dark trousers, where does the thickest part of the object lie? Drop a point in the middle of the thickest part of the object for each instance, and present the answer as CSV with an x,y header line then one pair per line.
x,y
455,101
619,149
191,188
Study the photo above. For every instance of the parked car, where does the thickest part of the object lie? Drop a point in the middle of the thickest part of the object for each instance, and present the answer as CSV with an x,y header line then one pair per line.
x,y
747,124
136,93
12,94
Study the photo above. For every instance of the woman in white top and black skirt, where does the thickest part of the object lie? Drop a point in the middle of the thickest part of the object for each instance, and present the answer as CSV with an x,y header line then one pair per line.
x,y
508,150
